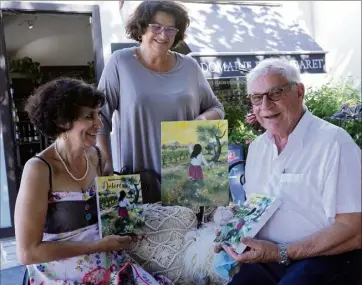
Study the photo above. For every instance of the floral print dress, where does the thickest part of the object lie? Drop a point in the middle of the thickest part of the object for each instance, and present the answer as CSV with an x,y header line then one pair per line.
x,y
114,268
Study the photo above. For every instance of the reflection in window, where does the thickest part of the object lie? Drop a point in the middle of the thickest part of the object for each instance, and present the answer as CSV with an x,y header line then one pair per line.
x,y
5,221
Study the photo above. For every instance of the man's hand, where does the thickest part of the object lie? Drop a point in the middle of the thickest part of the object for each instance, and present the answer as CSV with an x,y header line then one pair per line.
x,y
217,246
250,119
261,251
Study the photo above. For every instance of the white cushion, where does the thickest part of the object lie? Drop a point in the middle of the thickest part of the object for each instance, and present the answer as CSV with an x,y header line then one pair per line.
x,y
162,250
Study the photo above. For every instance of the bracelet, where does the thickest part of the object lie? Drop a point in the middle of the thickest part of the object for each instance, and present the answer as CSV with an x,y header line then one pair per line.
x,y
283,255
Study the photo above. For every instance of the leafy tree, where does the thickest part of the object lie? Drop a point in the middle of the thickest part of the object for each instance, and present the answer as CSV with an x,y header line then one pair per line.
x,y
210,147
132,184
328,99
208,133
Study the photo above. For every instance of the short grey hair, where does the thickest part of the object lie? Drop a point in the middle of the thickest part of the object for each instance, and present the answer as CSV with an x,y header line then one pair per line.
x,y
276,66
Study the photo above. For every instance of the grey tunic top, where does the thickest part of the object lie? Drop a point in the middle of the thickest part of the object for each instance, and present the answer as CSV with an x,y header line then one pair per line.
x,y
144,98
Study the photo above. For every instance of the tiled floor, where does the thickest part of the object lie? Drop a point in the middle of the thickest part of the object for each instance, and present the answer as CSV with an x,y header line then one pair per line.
x,y
12,276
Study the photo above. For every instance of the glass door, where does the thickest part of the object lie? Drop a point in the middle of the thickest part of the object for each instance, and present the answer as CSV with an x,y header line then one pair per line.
x,y
8,184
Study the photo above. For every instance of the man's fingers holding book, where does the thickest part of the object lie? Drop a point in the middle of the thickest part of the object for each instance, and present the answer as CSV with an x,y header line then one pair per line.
x,y
231,252
217,248
245,257
253,244
261,251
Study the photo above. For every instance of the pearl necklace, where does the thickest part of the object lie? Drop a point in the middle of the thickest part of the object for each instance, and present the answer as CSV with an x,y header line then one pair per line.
x,y
66,168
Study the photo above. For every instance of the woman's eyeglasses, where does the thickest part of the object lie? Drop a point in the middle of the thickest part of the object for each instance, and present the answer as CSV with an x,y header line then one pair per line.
x,y
273,95
158,29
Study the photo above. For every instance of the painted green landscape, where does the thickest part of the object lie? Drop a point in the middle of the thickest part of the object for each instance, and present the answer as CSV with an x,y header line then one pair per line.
x,y
114,221
208,184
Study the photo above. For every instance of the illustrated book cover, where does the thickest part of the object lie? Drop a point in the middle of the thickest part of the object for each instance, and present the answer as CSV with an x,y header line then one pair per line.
x,y
119,201
194,162
248,220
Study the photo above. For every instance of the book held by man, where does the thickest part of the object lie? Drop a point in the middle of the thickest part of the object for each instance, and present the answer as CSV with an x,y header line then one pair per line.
x,y
119,201
248,220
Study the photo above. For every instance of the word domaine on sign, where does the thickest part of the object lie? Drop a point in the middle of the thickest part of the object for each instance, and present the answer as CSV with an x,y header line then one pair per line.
x,y
225,66
235,66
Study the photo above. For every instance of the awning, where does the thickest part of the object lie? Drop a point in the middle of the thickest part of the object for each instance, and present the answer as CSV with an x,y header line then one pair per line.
x,y
227,40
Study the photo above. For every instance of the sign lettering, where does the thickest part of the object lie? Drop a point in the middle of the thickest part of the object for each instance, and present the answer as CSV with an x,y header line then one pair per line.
x,y
234,66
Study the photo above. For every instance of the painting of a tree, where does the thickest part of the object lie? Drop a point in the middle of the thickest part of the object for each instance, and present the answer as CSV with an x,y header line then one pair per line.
x,y
119,204
132,186
210,134
194,163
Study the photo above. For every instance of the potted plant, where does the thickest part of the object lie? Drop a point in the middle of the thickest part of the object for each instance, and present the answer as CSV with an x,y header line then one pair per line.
x,y
25,67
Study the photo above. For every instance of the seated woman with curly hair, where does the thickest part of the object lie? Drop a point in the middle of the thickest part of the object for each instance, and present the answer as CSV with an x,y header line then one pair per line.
x,y
56,211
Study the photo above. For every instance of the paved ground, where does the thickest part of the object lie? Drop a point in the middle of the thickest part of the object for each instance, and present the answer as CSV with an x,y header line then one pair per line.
x,y
12,276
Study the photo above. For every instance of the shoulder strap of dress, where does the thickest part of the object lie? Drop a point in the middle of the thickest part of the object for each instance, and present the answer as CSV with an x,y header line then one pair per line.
x,y
50,171
99,159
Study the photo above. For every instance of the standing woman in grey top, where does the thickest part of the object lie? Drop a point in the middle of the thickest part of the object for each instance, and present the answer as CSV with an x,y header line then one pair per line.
x,y
150,84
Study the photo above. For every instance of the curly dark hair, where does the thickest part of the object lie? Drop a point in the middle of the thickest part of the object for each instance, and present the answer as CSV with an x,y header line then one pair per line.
x,y
145,12
54,106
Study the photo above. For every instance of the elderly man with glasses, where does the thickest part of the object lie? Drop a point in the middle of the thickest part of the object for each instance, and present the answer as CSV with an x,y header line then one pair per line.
x,y
314,167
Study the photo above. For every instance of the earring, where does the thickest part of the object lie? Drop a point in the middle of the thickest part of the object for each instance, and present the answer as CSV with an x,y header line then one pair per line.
x,y
139,38
66,136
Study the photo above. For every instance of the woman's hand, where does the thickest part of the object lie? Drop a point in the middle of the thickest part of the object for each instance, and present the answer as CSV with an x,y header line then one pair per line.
x,y
114,243
200,118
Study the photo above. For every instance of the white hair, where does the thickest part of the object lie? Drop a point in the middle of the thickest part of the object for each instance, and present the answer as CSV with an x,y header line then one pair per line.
x,y
275,66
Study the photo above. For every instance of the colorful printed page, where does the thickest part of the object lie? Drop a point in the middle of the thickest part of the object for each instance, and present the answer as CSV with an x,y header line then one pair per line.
x,y
248,220
194,163
119,200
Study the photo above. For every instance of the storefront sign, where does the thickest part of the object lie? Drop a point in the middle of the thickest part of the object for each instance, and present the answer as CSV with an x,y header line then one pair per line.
x,y
236,66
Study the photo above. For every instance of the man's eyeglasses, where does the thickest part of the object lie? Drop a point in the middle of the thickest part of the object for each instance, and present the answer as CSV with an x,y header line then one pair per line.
x,y
158,29
273,95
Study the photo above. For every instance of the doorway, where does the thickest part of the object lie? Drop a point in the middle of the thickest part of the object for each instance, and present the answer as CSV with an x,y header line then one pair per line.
x,y
47,40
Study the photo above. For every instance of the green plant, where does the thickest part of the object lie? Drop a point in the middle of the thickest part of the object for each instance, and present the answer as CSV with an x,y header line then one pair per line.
x,y
354,128
26,66
90,75
328,99
240,132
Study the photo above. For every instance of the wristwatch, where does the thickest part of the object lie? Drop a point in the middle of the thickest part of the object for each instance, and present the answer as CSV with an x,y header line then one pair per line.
x,y
283,255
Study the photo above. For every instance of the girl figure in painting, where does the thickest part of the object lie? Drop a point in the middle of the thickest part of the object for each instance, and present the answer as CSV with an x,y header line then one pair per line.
x,y
123,203
197,159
